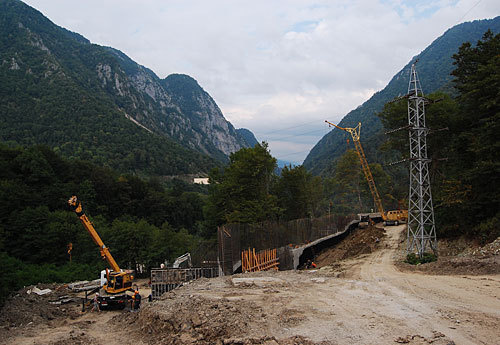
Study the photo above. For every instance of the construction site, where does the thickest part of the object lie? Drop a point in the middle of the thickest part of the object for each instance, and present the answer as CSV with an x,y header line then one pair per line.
x,y
328,280
361,292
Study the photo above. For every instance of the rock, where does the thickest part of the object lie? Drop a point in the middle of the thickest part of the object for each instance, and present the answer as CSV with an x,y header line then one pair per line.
x,y
196,320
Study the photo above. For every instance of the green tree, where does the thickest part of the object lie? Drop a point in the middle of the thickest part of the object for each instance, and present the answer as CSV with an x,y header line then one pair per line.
x,y
477,78
347,184
299,193
242,193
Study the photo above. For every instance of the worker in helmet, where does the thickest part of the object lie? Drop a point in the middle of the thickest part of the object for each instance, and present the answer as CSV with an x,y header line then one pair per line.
x,y
95,303
310,264
136,300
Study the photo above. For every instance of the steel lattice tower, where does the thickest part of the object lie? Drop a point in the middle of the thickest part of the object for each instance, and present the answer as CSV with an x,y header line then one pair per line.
x,y
421,227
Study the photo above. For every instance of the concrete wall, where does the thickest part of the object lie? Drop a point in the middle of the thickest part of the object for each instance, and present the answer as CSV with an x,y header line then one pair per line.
x,y
293,258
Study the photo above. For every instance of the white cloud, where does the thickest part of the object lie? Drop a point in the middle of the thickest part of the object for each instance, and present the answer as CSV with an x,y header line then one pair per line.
x,y
271,65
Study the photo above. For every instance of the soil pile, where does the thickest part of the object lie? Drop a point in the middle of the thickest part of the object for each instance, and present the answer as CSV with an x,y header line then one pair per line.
x,y
26,307
459,257
360,241
184,316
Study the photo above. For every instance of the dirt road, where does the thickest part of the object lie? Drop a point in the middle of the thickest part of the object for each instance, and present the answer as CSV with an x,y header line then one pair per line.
x,y
365,300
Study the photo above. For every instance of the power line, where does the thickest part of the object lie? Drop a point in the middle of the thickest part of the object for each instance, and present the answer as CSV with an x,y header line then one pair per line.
x,y
296,135
295,126
470,9
294,153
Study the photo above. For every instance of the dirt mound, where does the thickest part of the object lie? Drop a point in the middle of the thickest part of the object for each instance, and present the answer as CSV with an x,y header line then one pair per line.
x,y
27,307
186,319
184,316
360,241
460,257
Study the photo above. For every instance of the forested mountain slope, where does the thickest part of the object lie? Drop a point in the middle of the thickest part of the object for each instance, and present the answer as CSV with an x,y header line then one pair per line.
x,y
434,67
95,103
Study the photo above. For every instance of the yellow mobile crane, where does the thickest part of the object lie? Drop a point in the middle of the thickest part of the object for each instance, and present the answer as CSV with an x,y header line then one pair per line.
x,y
391,217
118,281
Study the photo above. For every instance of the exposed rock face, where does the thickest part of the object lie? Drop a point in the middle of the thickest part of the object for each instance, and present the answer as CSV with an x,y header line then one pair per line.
x,y
175,106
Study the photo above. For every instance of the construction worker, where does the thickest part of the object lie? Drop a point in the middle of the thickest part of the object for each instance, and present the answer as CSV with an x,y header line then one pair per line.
x,y
136,300
95,303
310,264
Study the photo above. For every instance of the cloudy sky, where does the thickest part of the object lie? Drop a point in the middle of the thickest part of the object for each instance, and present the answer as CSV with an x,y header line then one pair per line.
x,y
279,68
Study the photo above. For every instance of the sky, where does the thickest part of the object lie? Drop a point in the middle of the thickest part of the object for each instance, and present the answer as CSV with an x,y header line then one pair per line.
x,y
279,68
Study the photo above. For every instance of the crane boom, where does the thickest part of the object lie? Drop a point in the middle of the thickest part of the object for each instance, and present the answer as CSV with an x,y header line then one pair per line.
x,y
355,134
105,254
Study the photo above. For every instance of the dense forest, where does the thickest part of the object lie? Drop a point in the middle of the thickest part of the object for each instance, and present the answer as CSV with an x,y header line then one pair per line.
x,y
142,221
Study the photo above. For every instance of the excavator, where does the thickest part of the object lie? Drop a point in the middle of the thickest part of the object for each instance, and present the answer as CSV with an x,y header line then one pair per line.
x,y
181,259
118,281
391,217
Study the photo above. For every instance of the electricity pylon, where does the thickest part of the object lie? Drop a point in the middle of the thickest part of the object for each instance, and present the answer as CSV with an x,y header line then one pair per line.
x,y
421,227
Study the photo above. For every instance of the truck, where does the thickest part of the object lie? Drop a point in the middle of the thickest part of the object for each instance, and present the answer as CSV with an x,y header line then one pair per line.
x,y
118,282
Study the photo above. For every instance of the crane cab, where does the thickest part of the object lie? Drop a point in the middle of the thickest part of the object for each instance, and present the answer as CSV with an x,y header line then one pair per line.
x,y
117,282
396,217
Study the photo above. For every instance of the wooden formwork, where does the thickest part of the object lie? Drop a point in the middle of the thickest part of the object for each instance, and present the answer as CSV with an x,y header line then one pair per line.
x,y
261,261
166,279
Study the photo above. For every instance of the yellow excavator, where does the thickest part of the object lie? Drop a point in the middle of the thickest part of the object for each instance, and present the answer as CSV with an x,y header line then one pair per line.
x,y
391,217
118,281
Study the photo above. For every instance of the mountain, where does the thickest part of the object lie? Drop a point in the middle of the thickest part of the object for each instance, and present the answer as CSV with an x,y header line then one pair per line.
x,y
95,103
434,68
248,136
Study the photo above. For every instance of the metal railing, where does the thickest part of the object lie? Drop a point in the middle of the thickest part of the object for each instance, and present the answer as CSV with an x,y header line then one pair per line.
x,y
166,279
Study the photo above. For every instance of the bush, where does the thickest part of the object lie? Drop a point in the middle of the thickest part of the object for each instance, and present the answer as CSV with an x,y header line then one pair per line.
x,y
414,259
488,230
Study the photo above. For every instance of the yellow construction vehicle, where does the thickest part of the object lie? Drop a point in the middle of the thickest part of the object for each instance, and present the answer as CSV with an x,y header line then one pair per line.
x,y
118,281
391,217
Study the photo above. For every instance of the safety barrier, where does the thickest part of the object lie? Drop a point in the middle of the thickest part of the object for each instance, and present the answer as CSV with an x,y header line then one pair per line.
x,y
261,261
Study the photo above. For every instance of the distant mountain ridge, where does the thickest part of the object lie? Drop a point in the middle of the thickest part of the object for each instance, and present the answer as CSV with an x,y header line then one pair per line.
x,y
248,136
93,102
434,68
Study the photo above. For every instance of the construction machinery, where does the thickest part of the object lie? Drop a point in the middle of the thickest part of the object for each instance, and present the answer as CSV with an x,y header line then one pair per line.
x,y
181,259
118,281
391,217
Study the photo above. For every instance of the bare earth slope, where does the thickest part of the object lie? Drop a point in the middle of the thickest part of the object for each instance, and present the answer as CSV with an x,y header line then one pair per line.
x,y
362,300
